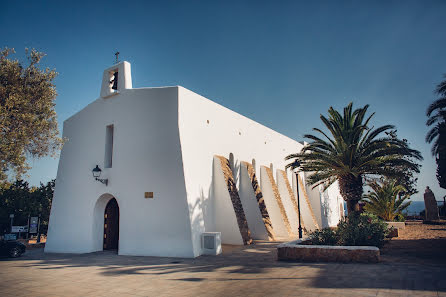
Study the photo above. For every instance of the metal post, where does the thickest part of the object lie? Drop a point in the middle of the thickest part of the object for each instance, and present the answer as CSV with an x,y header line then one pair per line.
x,y
27,233
38,230
298,204
12,221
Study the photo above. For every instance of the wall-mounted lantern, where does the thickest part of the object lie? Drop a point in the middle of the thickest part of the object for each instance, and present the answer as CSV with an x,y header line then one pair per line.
x,y
97,173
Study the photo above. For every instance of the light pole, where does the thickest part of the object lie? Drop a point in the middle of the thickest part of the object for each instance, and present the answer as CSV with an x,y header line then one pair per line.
x,y
38,231
296,165
11,216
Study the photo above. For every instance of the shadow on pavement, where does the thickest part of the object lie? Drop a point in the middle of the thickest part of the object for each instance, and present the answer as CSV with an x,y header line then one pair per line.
x,y
404,267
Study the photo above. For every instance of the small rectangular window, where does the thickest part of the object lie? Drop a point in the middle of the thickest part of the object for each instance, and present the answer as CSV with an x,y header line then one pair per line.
x,y
108,146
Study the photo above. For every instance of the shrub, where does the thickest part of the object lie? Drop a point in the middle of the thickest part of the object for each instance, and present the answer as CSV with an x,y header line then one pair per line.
x,y
358,230
326,236
362,229
387,200
400,218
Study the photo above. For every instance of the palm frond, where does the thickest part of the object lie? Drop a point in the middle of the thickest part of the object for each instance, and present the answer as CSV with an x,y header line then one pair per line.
x,y
436,105
441,87
351,150
384,200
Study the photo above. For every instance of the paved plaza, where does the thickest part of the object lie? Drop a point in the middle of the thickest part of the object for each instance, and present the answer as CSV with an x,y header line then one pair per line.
x,y
240,271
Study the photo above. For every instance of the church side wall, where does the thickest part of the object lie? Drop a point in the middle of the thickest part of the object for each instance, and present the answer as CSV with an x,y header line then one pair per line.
x,y
208,129
224,214
146,158
332,205
288,200
251,206
314,196
307,213
279,222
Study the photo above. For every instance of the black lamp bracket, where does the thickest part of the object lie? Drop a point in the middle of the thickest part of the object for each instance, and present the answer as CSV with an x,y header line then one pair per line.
x,y
102,180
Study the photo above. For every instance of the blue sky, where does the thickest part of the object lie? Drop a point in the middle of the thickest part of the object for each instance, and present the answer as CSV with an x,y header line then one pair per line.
x,y
281,63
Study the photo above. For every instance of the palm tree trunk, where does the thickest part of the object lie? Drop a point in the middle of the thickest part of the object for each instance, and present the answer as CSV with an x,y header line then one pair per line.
x,y
351,189
352,206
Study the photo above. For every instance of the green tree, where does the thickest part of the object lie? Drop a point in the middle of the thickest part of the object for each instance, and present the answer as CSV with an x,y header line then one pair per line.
x,y
353,152
407,177
20,199
387,199
437,134
28,123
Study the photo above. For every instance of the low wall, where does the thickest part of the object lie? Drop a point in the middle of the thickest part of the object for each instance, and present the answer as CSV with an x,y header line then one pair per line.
x,y
30,246
397,225
294,250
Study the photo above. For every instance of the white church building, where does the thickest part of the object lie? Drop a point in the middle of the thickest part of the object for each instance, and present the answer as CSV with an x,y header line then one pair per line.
x,y
148,171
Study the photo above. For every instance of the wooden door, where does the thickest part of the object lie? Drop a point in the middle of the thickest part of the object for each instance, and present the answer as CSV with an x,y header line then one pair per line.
x,y
111,225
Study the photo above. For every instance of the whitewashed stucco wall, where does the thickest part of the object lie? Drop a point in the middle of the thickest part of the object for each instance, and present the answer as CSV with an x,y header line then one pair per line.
x,y
223,215
287,201
332,202
306,216
315,200
277,220
146,158
226,132
250,206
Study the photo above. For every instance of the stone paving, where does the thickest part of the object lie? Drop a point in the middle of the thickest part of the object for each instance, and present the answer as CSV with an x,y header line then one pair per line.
x,y
240,271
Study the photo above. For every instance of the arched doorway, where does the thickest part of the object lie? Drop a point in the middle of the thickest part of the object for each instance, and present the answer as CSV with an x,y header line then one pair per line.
x,y
111,225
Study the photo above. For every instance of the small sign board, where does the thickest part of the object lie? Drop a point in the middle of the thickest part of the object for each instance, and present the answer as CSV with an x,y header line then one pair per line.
x,y
11,216
33,224
10,236
148,195
17,229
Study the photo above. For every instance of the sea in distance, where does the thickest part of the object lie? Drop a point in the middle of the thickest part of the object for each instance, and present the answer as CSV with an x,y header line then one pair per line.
x,y
414,208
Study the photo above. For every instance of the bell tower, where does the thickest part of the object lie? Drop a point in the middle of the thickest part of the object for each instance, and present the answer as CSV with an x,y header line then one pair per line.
x,y
116,79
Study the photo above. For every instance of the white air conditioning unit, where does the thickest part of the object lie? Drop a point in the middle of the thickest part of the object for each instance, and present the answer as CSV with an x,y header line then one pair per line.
x,y
211,243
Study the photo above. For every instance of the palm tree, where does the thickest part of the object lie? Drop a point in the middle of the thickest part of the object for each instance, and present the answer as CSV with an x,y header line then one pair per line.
x,y
437,134
353,152
387,199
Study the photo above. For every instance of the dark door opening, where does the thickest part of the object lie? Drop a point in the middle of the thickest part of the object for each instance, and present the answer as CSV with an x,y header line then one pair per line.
x,y
111,225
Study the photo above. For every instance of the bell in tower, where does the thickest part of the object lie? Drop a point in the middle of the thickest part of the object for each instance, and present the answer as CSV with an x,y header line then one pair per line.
x,y
114,81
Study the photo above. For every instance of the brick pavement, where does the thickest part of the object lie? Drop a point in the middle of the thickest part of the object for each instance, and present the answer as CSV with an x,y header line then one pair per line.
x,y
240,271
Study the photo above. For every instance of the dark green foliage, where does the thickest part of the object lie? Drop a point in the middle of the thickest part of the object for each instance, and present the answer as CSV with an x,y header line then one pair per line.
x,y
362,229
325,236
19,199
406,176
358,230
387,199
28,123
441,167
437,134
350,150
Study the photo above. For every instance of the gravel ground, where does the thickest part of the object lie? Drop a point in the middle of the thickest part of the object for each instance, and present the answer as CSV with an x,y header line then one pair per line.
x,y
421,244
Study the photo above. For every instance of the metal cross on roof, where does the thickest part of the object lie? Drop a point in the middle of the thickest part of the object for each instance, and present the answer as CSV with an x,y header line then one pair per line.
x,y
117,58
